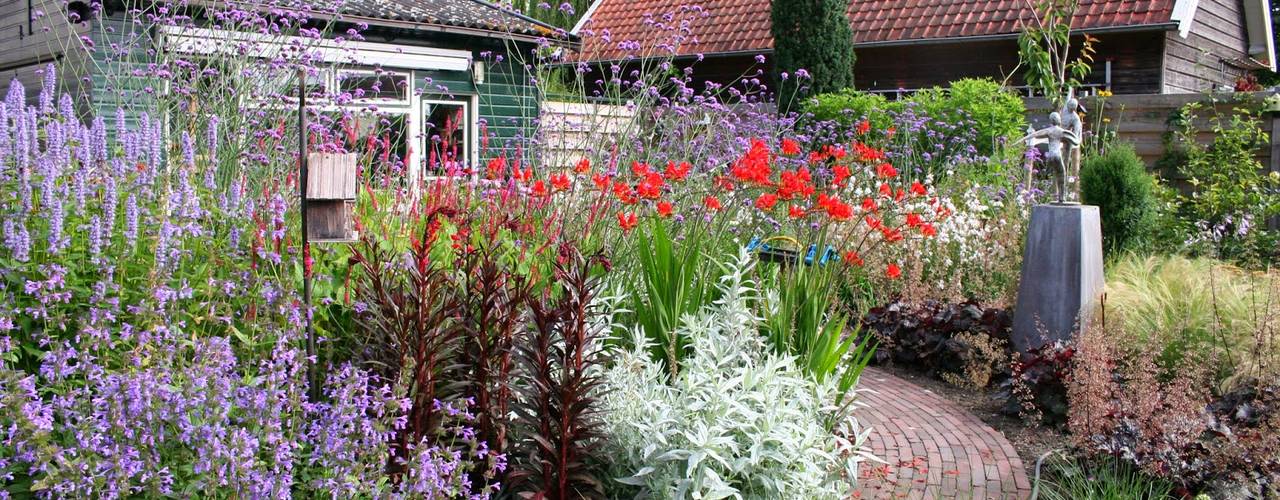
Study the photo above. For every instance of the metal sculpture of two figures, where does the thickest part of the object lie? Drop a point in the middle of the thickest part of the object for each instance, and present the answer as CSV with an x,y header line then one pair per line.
x,y
1061,141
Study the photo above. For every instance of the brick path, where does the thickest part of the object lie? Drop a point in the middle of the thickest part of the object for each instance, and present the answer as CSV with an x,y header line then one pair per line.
x,y
933,449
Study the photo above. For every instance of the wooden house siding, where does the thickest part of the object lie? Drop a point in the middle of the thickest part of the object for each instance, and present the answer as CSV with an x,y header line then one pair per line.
x,y
34,33
1204,59
1135,63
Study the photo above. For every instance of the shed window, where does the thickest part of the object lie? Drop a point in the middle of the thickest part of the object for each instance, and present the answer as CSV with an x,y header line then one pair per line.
x,y
374,85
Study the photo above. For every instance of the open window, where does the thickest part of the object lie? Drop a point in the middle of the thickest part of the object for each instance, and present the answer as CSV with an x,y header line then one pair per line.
x,y
447,127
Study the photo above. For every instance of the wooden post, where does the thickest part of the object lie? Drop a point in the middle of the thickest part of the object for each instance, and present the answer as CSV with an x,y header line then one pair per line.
x,y
1274,160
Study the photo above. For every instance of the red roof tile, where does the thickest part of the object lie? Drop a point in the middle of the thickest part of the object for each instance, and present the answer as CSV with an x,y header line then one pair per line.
x,y
720,26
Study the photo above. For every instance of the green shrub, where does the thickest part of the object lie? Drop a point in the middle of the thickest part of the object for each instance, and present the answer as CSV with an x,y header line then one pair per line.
x,y
814,36
996,113
848,107
738,421
1118,183
1231,196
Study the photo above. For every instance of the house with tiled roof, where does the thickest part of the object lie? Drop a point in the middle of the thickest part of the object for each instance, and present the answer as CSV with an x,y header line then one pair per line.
x,y
425,65
1144,46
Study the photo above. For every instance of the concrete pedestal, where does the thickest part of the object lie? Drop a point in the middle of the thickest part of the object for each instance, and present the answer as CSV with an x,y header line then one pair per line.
x,y
1061,274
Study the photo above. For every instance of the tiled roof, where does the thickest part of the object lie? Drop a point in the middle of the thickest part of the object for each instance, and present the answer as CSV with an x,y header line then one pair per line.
x,y
476,14
743,25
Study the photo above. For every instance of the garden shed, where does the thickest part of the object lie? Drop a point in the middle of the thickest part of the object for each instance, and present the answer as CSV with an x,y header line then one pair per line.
x,y
428,67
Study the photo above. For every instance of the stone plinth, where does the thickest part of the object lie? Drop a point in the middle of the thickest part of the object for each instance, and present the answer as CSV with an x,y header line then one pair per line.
x,y
1061,274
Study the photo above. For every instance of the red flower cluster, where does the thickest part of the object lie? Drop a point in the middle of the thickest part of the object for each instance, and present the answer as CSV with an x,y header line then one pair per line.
x,y
753,167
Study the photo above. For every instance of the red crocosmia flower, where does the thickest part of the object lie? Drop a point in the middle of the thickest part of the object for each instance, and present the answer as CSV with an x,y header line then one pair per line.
x,y
889,133
601,181
869,205
640,169
795,212
526,176
918,189
651,187
753,167
864,126
852,258
711,203
497,167
891,235
900,195
766,201
793,184
665,209
823,201
839,174
627,221
583,166
886,171
867,153
790,147
928,230
914,220
943,212
677,172
893,271
560,182
624,193
540,188
724,183
839,210
873,222
886,191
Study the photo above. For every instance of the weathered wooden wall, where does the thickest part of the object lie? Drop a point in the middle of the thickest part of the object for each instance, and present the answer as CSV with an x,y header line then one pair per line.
x,y
1210,56
34,33
1135,59
1148,121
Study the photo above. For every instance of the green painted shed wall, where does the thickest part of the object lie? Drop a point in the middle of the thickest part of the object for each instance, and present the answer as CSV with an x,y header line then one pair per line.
x,y
508,102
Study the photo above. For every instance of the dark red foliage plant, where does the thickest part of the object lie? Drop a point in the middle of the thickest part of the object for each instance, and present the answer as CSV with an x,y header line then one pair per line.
x,y
409,326
493,299
560,363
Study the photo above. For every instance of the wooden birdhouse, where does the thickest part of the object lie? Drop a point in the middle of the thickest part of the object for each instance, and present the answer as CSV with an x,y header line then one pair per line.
x,y
331,197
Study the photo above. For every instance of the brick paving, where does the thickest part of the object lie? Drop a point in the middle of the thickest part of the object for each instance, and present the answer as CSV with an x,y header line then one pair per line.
x,y
932,448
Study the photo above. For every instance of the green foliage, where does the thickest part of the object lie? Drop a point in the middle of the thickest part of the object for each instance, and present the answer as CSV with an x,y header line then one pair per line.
x,y
1103,479
1231,195
1198,308
848,107
738,421
801,319
673,279
981,103
1044,48
994,111
815,36
1118,183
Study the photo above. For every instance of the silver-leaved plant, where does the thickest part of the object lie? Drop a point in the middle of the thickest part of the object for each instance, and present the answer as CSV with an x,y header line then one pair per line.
x,y
738,421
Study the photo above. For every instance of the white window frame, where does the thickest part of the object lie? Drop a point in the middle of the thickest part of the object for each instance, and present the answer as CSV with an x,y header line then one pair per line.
x,y
471,106
408,76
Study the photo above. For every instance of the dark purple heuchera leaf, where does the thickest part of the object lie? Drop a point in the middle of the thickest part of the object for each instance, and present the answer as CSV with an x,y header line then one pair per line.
x,y
923,336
